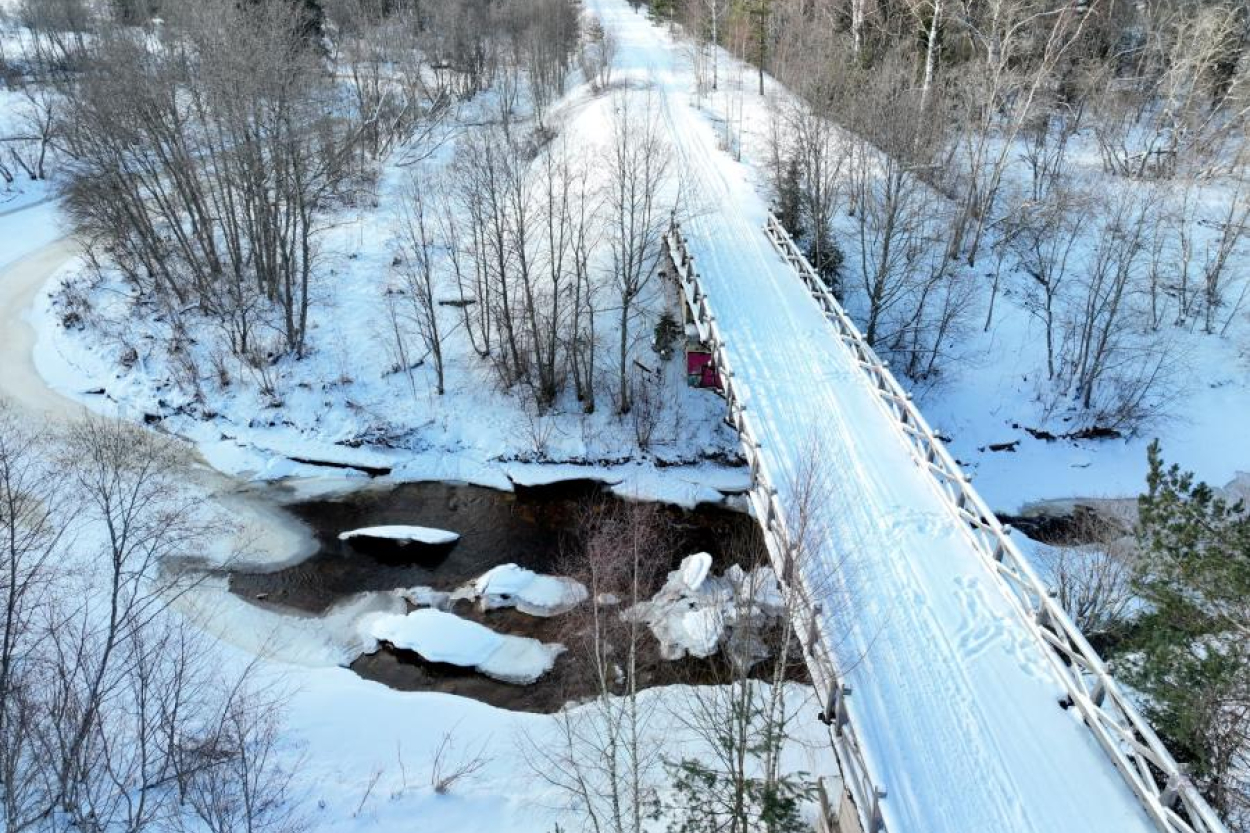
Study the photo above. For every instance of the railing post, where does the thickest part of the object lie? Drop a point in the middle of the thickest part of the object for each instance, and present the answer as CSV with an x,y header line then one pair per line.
x,y
813,626
1170,792
877,824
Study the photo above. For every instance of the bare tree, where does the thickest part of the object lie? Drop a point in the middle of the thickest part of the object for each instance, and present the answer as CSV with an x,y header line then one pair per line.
x,y
486,174
604,757
128,482
35,512
114,712
377,46
202,164
418,269
243,784
1112,367
1186,99
1022,45
1045,238
912,295
598,55
1094,578
638,167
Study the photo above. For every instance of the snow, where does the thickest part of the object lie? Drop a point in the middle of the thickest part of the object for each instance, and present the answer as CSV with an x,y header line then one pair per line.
x,y
531,593
946,693
695,613
950,688
444,637
694,569
404,534
355,731
334,638
29,221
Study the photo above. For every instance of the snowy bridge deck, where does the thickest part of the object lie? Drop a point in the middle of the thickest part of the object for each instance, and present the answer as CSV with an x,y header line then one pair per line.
x,y
960,696
943,658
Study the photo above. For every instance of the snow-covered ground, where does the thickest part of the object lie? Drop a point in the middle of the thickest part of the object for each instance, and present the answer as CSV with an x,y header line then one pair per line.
x,y
362,753
345,405
350,729
353,730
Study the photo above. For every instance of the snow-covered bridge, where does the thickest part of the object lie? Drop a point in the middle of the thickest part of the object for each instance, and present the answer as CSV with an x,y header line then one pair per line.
x,y
960,697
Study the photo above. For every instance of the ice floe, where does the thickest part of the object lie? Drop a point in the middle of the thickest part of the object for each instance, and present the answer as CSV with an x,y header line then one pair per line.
x,y
444,637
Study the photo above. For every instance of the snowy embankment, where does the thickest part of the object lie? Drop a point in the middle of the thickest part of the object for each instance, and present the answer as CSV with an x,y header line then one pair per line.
x,y
474,435
345,407
994,389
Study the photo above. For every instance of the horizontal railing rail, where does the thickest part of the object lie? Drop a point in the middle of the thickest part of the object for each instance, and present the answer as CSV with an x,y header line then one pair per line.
x,y
1169,796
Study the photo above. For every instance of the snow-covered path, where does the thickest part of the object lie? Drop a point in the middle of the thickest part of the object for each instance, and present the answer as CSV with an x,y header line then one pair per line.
x,y
272,537
953,698
20,282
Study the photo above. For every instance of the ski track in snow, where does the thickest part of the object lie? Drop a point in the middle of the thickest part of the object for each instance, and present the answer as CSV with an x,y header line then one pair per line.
x,y
952,697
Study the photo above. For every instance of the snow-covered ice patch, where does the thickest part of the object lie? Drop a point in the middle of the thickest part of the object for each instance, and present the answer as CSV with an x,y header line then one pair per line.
x,y
532,593
444,637
424,596
403,534
336,637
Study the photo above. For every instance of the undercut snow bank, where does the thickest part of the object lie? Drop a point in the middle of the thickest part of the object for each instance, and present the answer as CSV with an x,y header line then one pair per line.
x,y
695,613
444,637
403,534
531,593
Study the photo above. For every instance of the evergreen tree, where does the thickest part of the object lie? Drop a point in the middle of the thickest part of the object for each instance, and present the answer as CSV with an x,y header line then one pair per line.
x,y
738,788
1190,654
790,198
826,258
667,334
712,801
